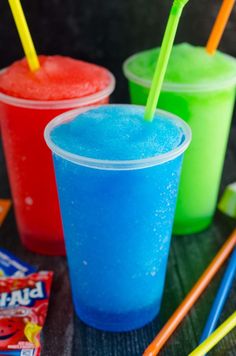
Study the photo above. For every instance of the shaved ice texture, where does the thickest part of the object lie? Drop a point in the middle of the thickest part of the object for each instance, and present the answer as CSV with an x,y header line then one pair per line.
x,y
187,65
118,132
59,78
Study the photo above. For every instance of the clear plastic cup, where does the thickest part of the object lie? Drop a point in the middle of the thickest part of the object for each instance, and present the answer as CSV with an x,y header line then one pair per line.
x,y
30,167
117,218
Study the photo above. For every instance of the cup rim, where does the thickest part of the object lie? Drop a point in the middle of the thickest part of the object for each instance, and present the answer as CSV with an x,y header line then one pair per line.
x,y
116,164
176,87
61,104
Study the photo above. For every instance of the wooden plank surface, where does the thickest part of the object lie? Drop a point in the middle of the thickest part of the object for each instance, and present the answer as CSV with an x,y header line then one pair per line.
x,y
65,335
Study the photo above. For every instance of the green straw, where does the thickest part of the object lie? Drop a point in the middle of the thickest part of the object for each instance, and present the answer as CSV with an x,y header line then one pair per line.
x,y
163,59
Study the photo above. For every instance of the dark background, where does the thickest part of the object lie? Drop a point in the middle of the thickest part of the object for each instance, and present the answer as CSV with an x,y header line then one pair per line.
x,y
108,31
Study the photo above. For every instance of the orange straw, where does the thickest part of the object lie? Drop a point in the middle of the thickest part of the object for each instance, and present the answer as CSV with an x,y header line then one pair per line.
x,y
219,26
192,297
5,205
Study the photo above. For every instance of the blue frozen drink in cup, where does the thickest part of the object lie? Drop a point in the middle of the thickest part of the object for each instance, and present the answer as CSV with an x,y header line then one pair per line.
x,y
117,178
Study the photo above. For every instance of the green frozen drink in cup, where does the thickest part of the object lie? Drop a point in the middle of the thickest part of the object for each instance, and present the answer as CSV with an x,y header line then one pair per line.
x,y
201,89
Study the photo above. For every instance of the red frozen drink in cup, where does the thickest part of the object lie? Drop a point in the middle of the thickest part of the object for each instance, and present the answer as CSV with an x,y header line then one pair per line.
x,y
28,101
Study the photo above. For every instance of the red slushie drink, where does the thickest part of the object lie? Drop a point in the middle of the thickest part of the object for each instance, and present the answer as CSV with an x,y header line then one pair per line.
x,y
28,101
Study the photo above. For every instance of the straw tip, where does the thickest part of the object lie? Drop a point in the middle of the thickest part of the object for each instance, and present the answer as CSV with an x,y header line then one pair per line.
x,y
148,118
210,51
149,353
180,3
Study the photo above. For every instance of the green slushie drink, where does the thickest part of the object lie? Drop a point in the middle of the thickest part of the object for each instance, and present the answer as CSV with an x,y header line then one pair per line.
x,y
201,89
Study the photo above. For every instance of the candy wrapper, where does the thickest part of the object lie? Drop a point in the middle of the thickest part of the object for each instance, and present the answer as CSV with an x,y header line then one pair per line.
x,y
23,309
227,204
12,266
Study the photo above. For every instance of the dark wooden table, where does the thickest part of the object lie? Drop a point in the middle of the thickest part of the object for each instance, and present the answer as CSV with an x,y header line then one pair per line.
x,y
64,334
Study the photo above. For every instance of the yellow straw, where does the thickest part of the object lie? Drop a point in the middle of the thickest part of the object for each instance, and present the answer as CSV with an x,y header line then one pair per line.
x,y
24,34
216,336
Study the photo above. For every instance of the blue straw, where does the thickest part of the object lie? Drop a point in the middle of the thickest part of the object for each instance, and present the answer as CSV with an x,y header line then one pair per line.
x,y
220,298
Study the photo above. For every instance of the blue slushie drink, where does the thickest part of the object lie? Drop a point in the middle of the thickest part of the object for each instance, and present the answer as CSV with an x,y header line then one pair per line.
x,y
117,177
